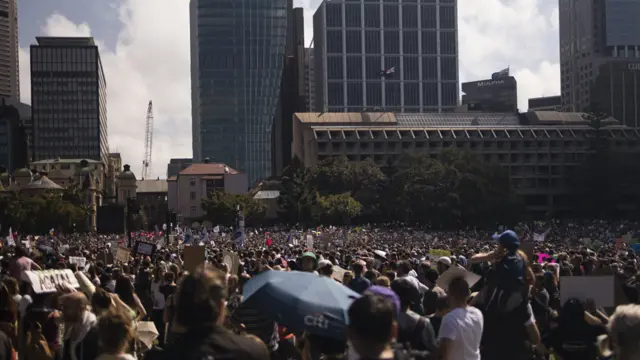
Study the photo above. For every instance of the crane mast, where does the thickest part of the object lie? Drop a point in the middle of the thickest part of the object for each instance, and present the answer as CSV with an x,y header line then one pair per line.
x,y
148,142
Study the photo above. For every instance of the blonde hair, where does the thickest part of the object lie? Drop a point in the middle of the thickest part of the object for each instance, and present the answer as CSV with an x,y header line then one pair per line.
x,y
624,331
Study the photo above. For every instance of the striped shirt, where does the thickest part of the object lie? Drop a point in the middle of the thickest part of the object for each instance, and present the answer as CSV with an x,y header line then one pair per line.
x,y
254,322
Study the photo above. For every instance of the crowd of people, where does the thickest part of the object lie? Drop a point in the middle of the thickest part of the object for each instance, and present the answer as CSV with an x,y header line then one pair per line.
x,y
417,294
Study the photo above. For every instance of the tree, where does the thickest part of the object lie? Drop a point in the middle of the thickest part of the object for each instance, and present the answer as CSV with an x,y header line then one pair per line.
x,y
296,197
222,208
337,209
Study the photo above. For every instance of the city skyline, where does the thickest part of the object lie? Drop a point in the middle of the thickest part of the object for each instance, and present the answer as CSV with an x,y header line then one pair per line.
x,y
132,41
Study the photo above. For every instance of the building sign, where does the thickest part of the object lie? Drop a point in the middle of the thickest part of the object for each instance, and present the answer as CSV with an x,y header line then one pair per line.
x,y
490,83
634,66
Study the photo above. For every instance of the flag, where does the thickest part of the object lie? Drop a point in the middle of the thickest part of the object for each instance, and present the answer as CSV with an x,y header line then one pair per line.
x,y
387,73
238,237
500,74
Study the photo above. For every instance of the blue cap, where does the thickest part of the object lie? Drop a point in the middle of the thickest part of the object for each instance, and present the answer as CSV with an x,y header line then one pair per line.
x,y
509,239
387,293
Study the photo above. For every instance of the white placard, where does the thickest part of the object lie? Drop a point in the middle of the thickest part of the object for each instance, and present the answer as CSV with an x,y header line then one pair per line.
x,y
601,289
78,260
309,241
45,281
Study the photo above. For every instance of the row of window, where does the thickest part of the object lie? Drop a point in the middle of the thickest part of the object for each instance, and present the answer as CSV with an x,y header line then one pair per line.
x,y
392,94
392,39
413,16
406,66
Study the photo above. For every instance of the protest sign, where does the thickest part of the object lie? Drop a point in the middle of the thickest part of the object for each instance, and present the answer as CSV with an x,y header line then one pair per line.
x,y
193,257
601,289
78,260
309,242
144,248
46,281
232,260
445,279
122,255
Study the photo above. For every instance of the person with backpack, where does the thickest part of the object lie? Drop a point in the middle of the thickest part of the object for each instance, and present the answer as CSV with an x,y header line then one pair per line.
x,y
414,331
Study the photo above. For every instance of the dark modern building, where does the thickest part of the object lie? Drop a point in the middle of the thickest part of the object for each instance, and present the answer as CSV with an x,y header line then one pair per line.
x,y
391,55
592,33
616,91
545,103
176,165
292,91
13,141
9,74
68,99
237,57
498,94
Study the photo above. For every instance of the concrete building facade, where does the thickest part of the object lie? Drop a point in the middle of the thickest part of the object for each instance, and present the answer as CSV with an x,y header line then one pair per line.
x,y
545,103
186,191
9,50
616,91
538,149
69,99
309,80
237,57
414,43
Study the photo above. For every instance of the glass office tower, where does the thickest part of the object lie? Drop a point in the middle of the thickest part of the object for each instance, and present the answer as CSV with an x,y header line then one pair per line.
x,y
237,55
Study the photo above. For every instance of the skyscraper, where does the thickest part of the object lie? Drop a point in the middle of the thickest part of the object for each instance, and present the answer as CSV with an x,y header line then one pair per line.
x,y
69,100
9,75
498,94
391,55
237,56
592,33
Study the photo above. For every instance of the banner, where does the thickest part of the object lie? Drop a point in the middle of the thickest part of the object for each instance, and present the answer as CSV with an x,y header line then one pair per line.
x,y
46,281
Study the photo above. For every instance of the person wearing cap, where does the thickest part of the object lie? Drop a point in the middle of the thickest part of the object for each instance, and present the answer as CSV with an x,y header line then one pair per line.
x,y
325,268
308,262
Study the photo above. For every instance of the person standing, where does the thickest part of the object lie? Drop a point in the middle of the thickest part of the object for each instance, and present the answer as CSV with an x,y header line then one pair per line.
x,y
461,329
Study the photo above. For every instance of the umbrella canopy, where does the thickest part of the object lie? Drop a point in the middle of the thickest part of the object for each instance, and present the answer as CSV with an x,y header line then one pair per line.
x,y
301,301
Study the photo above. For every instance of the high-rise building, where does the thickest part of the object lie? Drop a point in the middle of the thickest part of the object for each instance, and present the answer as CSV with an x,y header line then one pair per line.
x,y
616,91
309,80
545,103
396,56
237,57
498,94
591,33
13,142
9,74
292,90
68,99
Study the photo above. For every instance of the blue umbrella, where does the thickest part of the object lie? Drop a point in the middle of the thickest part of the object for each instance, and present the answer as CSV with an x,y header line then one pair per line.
x,y
301,301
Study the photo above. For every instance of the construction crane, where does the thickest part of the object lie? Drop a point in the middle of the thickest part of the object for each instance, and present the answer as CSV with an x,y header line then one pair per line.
x,y
148,142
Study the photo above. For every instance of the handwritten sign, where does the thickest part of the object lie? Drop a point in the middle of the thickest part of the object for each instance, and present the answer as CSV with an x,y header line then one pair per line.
x,y
145,248
46,281
78,260
122,255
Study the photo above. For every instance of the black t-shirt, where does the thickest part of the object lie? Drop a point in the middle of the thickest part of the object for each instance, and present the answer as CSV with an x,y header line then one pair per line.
x,y
575,341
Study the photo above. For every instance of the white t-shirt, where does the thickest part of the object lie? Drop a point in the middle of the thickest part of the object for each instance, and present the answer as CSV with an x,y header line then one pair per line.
x,y
464,328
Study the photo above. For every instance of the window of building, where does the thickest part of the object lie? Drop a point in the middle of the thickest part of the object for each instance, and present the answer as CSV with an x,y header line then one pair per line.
x,y
192,210
192,195
192,181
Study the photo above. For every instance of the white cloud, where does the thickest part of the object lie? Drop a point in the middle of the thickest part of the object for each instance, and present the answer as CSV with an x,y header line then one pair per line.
x,y
151,62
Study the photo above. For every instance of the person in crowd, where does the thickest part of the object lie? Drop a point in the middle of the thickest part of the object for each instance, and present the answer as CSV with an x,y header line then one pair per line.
x,y
158,300
383,281
6,349
623,340
115,333
372,328
200,310
359,283
308,262
81,332
575,332
124,290
325,268
21,263
442,307
413,329
461,329
8,314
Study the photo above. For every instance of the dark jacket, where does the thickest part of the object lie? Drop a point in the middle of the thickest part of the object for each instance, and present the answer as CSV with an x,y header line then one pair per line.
x,y
212,342
6,350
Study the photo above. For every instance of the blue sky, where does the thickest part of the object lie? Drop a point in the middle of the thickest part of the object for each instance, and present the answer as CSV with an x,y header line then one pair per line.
x,y
144,47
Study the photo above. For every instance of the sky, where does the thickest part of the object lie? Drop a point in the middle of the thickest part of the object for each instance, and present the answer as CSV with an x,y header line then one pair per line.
x,y
144,45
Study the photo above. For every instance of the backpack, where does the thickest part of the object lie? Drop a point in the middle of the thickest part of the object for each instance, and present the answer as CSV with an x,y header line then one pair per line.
x,y
506,288
37,347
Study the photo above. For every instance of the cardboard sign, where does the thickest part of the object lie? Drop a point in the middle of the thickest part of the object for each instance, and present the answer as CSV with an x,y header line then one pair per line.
x,y
601,289
144,248
193,257
445,279
122,255
78,260
439,253
46,281
232,260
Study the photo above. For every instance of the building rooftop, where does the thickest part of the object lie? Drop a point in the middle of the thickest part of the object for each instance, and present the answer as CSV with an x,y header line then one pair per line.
x,y
65,41
152,186
266,194
63,161
208,169
409,120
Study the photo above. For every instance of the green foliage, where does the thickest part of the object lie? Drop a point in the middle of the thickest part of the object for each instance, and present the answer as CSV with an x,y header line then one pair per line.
x,y
221,209
38,213
337,209
456,189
